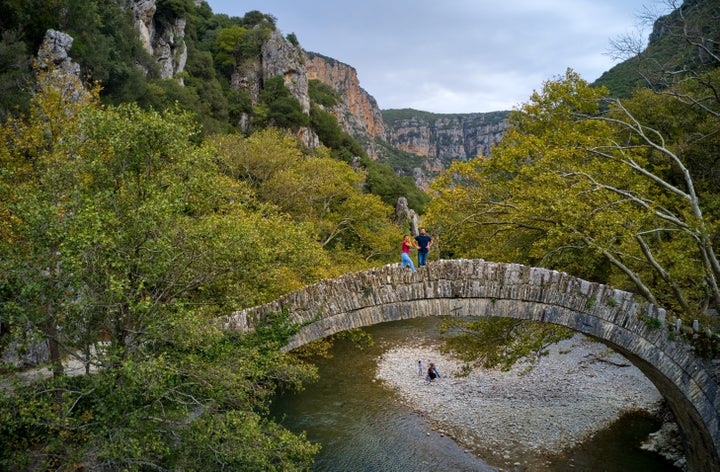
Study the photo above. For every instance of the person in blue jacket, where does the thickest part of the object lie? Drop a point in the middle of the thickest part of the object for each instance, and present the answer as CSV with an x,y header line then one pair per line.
x,y
423,243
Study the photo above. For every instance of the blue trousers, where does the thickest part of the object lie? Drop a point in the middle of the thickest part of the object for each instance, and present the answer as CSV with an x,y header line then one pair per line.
x,y
422,257
406,261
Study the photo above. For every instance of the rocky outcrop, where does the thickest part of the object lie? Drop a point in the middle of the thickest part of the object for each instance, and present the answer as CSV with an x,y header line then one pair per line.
x,y
144,11
406,215
282,58
438,139
54,52
357,113
162,38
278,58
61,72
169,48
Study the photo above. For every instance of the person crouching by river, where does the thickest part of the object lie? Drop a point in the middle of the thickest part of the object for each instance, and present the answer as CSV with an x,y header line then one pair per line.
x,y
406,245
432,373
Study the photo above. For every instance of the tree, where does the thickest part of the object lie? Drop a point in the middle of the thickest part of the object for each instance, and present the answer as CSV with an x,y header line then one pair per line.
x,y
279,108
121,243
313,189
226,44
16,75
499,342
603,196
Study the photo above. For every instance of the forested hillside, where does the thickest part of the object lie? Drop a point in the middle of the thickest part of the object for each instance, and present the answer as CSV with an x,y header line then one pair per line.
x,y
133,216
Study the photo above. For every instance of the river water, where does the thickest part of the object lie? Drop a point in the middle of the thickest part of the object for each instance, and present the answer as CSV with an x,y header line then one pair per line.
x,y
362,427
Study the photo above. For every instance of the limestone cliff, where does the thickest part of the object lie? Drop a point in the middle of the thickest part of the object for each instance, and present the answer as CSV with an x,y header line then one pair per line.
x,y
278,57
358,113
436,139
61,72
164,38
443,138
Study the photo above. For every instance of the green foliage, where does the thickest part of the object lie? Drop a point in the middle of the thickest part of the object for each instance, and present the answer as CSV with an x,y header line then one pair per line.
x,y
15,69
676,51
651,322
278,107
226,42
402,162
383,181
344,147
609,196
313,188
171,9
391,116
121,241
322,94
292,39
251,44
193,398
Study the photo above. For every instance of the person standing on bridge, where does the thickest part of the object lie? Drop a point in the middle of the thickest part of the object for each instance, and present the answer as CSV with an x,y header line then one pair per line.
x,y
423,243
406,245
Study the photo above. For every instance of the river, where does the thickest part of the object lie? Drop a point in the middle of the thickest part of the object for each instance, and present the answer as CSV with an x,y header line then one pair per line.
x,y
362,427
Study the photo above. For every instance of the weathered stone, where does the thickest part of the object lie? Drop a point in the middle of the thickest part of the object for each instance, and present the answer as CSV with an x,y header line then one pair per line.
x,y
164,39
357,113
62,73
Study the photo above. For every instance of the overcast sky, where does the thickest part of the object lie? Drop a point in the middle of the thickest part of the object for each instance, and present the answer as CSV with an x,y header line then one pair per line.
x,y
456,56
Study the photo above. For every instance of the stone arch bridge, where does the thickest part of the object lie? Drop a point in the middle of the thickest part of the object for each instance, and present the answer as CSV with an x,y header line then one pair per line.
x,y
479,288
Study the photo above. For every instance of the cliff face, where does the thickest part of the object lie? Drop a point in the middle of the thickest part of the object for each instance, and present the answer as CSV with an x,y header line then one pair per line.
x,y
278,58
443,138
358,112
439,139
436,140
164,39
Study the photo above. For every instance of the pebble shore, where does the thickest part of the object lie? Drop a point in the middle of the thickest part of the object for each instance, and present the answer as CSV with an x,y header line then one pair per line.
x,y
519,417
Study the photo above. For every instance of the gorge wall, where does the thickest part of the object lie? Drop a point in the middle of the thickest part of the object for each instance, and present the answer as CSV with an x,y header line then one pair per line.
x,y
437,139
358,112
444,138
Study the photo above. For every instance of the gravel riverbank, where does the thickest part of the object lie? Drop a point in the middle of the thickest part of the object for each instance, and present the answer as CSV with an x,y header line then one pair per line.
x,y
517,418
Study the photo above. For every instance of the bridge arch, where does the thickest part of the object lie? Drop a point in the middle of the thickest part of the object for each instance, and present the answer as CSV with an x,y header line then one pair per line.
x,y
479,288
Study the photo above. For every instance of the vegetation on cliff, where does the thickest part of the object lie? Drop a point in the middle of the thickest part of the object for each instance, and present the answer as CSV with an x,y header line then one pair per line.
x,y
617,191
107,46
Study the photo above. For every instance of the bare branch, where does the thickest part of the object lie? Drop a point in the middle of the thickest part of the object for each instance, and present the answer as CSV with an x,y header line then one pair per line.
x,y
632,275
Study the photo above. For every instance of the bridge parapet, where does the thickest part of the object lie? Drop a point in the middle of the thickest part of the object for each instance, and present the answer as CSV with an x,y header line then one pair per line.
x,y
448,279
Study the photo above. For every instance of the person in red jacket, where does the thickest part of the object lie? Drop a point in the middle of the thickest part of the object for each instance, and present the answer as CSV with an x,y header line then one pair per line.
x,y
406,245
